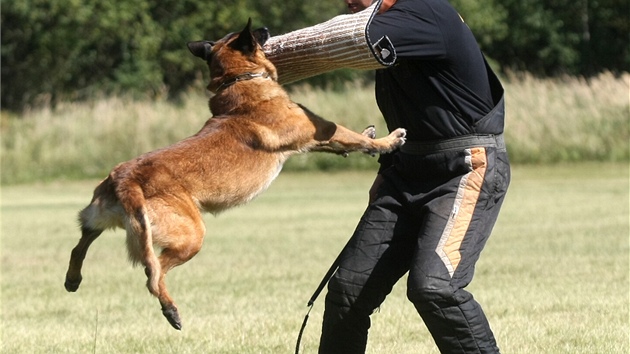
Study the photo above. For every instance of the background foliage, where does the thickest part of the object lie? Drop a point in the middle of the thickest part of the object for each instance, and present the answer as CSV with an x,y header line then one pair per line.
x,y
76,49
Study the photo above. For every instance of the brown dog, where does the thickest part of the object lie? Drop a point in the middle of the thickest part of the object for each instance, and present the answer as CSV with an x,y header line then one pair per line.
x,y
158,197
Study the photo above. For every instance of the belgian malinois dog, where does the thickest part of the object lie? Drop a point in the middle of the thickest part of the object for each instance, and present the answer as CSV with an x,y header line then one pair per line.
x,y
159,196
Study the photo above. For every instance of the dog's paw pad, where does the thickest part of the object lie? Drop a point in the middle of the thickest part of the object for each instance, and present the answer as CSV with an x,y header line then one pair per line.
x,y
72,285
369,132
172,316
399,137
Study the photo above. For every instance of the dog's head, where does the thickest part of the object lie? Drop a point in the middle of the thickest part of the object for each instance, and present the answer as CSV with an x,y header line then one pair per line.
x,y
235,55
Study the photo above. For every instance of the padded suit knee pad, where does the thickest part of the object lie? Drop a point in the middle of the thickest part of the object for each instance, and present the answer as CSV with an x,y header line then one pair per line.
x,y
436,297
456,322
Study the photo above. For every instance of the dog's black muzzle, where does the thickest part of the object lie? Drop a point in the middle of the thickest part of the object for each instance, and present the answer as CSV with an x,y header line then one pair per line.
x,y
261,35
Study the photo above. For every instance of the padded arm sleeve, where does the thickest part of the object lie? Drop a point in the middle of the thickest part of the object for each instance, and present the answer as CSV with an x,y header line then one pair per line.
x,y
342,42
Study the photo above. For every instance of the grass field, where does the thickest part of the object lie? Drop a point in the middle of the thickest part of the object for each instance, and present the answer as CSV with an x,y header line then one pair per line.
x,y
553,277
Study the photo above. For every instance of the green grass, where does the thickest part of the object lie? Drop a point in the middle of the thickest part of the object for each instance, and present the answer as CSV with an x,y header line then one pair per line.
x,y
553,277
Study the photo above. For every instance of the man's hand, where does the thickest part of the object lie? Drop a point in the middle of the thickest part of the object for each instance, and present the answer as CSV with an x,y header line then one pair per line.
x,y
386,5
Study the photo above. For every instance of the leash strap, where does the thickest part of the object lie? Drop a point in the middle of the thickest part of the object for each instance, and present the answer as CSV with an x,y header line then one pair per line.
x,y
299,339
320,287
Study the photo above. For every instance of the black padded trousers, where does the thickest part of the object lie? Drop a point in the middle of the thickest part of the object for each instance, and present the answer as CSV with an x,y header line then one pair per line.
x,y
431,217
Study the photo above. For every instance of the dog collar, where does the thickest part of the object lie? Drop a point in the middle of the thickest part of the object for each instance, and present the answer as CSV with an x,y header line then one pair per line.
x,y
242,77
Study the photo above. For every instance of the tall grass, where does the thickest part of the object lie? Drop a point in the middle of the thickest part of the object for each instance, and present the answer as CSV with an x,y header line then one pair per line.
x,y
78,140
552,279
568,119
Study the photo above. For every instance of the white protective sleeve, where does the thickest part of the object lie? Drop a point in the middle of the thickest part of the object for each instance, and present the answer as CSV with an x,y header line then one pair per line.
x,y
341,42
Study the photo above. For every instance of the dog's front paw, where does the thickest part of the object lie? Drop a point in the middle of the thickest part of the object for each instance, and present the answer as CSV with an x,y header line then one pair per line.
x,y
400,136
370,132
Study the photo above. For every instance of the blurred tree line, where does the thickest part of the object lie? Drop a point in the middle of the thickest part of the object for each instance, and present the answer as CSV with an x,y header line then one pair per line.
x,y
76,49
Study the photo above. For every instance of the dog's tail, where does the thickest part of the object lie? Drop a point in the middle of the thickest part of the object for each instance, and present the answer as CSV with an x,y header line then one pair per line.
x,y
139,235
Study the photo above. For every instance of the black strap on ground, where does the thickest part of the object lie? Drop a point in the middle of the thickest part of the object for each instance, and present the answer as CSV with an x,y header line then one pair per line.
x,y
322,284
299,339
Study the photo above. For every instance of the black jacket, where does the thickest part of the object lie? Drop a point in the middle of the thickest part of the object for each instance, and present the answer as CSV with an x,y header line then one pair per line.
x,y
441,86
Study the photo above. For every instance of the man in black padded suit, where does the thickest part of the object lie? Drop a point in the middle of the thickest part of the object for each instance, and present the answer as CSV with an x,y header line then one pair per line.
x,y
435,201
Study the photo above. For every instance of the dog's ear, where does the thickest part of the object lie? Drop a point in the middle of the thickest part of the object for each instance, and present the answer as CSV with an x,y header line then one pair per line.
x,y
201,49
246,42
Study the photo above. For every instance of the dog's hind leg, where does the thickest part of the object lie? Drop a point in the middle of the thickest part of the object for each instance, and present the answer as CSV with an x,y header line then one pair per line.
x,y
169,259
88,235
103,212
179,232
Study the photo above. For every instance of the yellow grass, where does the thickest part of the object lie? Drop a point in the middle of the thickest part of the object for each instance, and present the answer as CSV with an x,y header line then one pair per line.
x,y
553,277
568,119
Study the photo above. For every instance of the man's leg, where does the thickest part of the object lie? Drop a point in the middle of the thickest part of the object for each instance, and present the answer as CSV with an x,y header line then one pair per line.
x,y
450,241
372,263
455,320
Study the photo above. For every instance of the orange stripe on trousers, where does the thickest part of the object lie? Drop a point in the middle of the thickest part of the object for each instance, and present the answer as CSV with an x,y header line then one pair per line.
x,y
463,208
